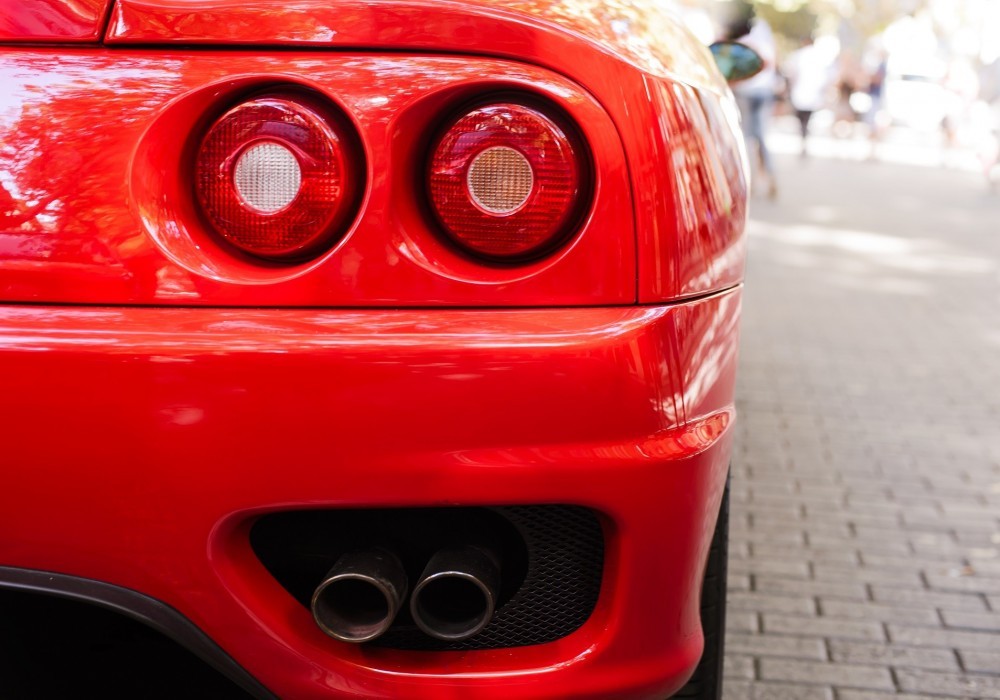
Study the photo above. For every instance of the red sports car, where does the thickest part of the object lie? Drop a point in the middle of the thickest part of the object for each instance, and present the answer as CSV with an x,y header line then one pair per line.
x,y
374,349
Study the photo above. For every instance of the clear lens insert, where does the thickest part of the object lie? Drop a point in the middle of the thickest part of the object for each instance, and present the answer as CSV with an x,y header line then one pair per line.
x,y
267,177
500,180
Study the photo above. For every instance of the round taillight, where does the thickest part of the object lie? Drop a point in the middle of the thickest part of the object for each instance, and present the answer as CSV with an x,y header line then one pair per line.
x,y
278,178
507,181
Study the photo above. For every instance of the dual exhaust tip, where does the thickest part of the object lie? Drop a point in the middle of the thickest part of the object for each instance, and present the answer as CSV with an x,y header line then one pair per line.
x,y
453,600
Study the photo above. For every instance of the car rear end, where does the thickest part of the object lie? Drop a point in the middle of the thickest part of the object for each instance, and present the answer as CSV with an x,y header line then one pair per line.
x,y
283,283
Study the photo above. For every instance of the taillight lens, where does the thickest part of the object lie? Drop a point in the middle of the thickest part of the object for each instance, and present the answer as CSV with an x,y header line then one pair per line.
x,y
278,178
507,182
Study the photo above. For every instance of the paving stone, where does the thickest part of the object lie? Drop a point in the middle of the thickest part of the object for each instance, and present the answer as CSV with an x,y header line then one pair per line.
x,y
976,539
826,627
982,661
985,561
738,667
789,691
758,602
972,620
848,591
911,562
772,567
962,685
969,584
761,645
861,521
825,673
937,522
737,690
739,550
892,655
868,547
822,554
738,583
768,549
946,638
849,694
928,599
742,622
830,573
968,509
927,545
882,613
792,537
881,533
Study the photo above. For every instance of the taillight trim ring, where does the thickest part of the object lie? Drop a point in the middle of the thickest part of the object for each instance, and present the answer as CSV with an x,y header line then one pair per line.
x,y
332,176
569,220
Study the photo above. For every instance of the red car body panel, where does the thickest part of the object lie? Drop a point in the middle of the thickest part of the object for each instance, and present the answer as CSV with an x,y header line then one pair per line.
x,y
176,427
52,20
100,185
638,62
160,392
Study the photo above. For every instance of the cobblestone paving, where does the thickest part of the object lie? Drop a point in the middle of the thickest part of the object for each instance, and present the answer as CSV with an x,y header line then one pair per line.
x,y
865,555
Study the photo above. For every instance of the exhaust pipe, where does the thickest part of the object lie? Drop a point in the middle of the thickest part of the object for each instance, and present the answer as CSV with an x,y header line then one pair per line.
x,y
457,593
360,596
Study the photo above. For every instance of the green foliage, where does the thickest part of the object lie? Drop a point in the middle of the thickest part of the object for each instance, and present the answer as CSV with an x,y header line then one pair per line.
x,y
796,25
796,19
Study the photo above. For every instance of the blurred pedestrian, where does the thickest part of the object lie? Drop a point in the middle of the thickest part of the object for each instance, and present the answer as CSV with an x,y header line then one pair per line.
x,y
876,89
850,79
961,85
988,121
810,73
756,95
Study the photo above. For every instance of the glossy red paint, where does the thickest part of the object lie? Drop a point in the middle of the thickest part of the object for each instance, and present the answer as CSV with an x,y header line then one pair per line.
x,y
637,61
147,425
175,427
100,177
52,20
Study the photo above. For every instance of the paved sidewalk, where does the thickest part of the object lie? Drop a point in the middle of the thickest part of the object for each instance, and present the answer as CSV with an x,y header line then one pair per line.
x,y
865,556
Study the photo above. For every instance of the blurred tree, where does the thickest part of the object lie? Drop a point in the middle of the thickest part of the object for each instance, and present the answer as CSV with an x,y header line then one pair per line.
x,y
865,17
796,25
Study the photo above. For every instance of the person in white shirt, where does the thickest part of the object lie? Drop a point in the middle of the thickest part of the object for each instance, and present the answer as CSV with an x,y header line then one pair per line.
x,y
810,75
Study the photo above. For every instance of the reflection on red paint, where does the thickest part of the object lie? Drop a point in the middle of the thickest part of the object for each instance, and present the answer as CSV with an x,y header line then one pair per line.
x,y
698,241
233,412
52,20
98,155
175,388
647,70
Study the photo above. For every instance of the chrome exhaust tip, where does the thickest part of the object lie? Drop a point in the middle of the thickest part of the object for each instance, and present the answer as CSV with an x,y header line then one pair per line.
x,y
360,596
457,594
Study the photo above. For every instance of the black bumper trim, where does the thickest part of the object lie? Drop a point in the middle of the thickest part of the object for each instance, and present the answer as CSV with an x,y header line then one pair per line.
x,y
139,607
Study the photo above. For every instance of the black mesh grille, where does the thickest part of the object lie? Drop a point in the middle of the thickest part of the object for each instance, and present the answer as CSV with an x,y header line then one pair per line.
x,y
565,561
553,563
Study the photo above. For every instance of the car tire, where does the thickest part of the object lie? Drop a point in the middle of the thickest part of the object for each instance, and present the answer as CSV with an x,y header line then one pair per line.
x,y
706,682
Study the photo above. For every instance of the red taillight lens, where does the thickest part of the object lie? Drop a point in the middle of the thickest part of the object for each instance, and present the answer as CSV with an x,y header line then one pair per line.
x,y
277,178
507,181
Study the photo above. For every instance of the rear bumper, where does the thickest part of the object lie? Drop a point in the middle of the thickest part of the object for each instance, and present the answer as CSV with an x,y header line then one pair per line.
x,y
140,443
